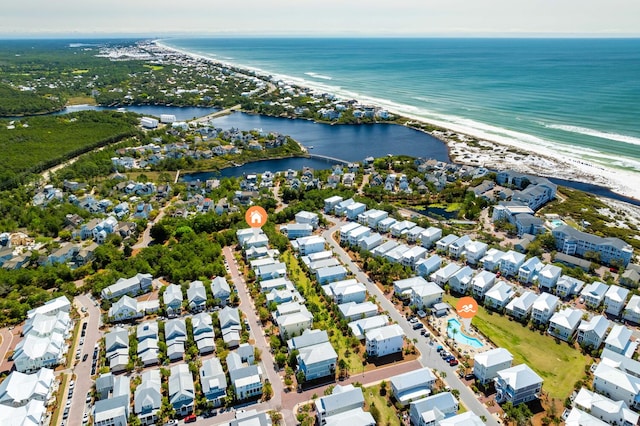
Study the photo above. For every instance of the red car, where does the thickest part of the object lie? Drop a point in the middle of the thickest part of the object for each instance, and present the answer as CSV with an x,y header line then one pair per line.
x,y
453,362
190,418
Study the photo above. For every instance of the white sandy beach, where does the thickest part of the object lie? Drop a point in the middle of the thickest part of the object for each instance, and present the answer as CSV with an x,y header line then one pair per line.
x,y
495,151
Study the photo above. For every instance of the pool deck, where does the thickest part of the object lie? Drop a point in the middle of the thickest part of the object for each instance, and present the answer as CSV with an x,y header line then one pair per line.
x,y
441,325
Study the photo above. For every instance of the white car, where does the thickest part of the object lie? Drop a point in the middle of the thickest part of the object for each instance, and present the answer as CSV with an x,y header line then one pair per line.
x,y
72,384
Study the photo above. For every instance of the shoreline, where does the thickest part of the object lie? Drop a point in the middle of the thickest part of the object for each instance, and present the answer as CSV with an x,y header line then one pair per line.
x,y
490,151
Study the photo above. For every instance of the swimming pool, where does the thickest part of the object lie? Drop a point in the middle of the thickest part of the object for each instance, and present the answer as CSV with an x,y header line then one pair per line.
x,y
557,222
460,337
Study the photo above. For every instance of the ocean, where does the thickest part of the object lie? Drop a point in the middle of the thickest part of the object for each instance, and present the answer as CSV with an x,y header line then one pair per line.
x,y
580,97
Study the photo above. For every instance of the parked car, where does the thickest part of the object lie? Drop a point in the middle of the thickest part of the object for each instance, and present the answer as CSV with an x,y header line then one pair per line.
x,y
84,357
439,348
418,326
453,362
190,418
469,376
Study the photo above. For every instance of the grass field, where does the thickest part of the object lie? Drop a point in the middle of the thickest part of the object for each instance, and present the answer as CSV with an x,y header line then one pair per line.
x,y
560,365
81,100
388,414
339,341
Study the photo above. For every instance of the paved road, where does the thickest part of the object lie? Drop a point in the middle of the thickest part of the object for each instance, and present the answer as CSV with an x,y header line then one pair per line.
x,y
429,357
82,370
145,239
7,339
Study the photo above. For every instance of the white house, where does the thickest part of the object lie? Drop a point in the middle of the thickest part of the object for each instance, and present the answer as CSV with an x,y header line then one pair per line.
x,y
317,360
331,202
203,332
424,267
196,296
617,385
309,245
482,282
360,327
499,295
456,248
608,410
429,236
442,275
246,379
51,307
412,385
220,289
307,217
548,277
544,306
520,307
138,284
442,245
172,298
295,323
592,332
460,282
529,270
517,385
425,295
18,388
147,399
401,228
491,260
615,299
433,409
511,262
487,364
213,381
384,340
474,251
564,324
568,286
343,399
346,291
330,274
593,294
619,340
352,311
412,256
632,310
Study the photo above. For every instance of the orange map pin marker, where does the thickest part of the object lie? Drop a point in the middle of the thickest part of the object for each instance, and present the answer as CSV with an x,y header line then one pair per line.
x,y
467,307
256,216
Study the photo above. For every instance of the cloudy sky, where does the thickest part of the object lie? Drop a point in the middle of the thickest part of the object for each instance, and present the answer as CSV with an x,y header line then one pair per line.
x,y
327,17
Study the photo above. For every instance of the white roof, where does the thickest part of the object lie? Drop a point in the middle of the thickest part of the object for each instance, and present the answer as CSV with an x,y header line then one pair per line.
x,y
468,418
384,333
545,301
578,417
616,293
317,353
353,417
567,318
595,289
598,324
621,379
427,289
18,388
412,379
634,304
31,414
524,301
618,337
57,304
500,292
520,377
493,357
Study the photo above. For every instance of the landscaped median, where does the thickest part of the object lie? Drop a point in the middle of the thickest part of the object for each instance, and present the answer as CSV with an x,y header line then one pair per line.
x,y
560,365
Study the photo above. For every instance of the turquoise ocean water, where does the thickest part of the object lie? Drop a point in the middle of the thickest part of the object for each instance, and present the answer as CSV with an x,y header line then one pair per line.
x,y
578,96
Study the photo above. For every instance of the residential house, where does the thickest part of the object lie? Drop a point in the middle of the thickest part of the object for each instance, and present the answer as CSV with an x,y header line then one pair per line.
x,y
520,307
126,308
116,344
481,283
517,385
230,326
331,202
196,296
138,284
568,286
294,323
115,409
457,247
309,245
425,267
181,390
442,275
203,333
591,333
402,227
529,270
600,407
246,379
491,260
148,397
619,341
631,276
51,307
148,351
544,307
433,409
346,291
594,293
172,298
412,385
384,341
468,418
614,300
548,277
360,327
429,236
632,310
18,389
412,256
442,245
353,210
307,217
213,381
486,365
317,360
617,385
330,274
220,290
511,262
352,311
499,295
175,334
343,399
564,324
425,295
474,251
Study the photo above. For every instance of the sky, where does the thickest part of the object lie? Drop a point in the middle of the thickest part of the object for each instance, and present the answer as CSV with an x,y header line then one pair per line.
x,y
29,18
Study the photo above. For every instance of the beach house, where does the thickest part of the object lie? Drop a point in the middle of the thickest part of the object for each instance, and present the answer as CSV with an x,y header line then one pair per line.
x,y
425,295
617,384
487,364
511,262
564,324
594,293
342,405
352,311
591,333
442,245
442,275
517,385
481,283
433,409
172,298
181,390
619,341
147,399
384,340
543,308
474,251
520,306
614,300
499,295
632,310
213,381
491,260
548,277
196,296
603,409
412,385
568,286
360,327
529,270
460,282
429,236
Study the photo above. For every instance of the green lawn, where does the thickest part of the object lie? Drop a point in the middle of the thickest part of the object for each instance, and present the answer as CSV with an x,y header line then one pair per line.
x,y
388,413
559,365
339,341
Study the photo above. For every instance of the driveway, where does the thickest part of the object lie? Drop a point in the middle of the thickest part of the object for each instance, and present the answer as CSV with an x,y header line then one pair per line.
x,y
429,357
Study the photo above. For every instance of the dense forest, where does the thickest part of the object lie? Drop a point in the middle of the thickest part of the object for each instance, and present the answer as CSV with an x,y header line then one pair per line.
x,y
37,143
